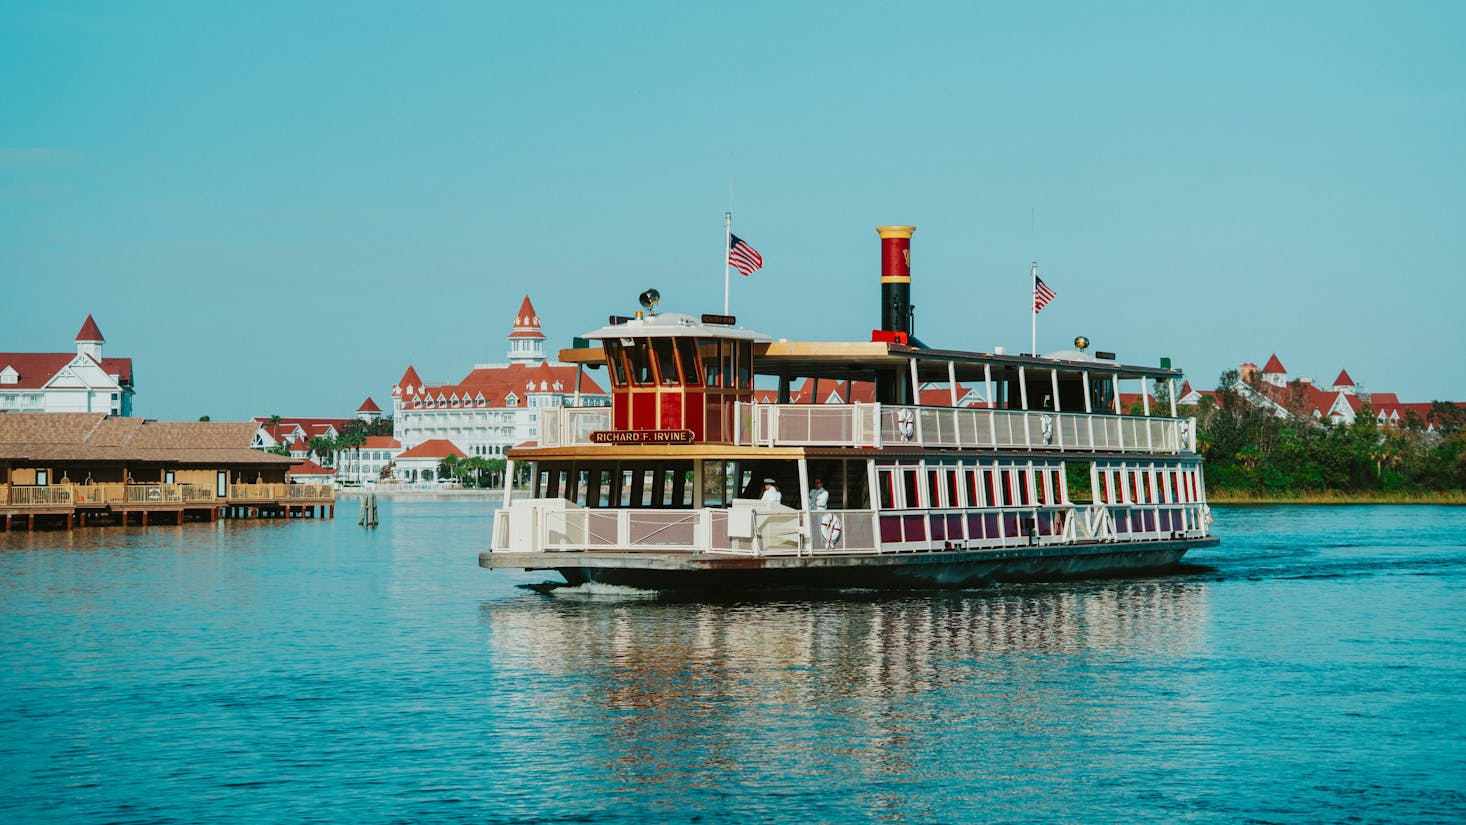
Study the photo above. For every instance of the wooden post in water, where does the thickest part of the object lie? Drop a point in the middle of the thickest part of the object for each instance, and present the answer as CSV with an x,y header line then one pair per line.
x,y
368,510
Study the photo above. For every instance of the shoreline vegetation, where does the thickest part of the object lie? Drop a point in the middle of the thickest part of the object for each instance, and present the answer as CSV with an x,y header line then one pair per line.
x,y
1258,453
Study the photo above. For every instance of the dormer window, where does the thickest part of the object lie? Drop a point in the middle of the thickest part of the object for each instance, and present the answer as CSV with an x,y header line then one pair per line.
x,y
511,400
9,376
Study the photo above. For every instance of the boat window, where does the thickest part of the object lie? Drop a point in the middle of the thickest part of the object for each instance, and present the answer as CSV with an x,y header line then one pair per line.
x,y
638,361
666,357
744,358
973,498
954,487
691,364
887,480
614,358
910,487
934,488
710,349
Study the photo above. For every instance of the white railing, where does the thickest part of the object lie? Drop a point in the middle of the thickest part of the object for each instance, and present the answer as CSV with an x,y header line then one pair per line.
x,y
571,426
878,425
883,425
555,525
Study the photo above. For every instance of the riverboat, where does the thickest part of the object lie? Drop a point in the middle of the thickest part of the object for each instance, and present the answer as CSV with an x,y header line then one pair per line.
x,y
1049,476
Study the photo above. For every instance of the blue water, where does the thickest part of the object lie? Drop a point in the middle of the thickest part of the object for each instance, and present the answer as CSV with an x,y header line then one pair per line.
x,y
1311,670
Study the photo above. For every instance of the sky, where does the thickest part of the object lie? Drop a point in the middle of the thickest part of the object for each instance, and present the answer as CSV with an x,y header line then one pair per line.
x,y
275,208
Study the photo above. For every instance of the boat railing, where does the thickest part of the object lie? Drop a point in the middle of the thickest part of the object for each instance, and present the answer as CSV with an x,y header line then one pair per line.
x,y
883,425
571,426
556,525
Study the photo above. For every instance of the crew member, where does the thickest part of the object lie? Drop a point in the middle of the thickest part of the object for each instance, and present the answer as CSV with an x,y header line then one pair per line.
x,y
771,493
819,497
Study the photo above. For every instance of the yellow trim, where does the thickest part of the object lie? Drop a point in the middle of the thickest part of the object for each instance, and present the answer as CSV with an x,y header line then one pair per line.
x,y
895,279
895,231
624,452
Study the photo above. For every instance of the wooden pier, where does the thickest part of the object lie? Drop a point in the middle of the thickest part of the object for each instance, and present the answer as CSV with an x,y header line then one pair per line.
x,y
78,505
77,469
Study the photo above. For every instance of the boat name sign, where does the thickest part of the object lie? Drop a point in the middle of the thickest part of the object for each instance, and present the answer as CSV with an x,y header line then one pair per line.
x,y
642,437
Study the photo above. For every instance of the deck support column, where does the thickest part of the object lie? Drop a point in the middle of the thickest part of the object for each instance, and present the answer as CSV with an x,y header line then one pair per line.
x,y
952,380
145,518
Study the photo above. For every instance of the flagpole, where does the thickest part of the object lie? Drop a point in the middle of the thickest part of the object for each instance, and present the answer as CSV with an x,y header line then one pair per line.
x,y
727,245
1033,309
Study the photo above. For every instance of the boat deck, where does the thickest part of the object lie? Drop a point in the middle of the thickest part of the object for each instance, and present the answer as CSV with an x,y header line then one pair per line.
x,y
933,568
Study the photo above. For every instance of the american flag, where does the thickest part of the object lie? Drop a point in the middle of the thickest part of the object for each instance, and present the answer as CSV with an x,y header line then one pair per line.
x,y
743,257
1041,294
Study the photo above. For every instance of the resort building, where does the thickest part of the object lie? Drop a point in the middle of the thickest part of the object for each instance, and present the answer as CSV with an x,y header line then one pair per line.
x,y
369,463
1272,389
271,431
495,406
423,462
80,381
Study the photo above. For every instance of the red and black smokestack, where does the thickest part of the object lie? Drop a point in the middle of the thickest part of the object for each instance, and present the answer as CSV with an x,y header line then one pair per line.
x,y
896,278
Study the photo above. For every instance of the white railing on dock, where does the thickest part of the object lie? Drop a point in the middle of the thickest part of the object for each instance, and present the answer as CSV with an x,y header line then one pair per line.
x,y
555,525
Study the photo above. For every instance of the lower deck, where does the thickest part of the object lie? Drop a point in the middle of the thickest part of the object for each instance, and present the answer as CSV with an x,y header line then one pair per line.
x,y
910,570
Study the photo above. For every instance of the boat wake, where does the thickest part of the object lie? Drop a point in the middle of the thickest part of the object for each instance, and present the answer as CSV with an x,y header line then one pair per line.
x,y
593,591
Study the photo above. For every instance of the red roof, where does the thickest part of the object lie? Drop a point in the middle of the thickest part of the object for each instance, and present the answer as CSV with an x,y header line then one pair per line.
x,y
1380,399
1273,365
495,384
438,448
89,332
308,468
526,322
369,406
1343,380
861,392
410,383
38,368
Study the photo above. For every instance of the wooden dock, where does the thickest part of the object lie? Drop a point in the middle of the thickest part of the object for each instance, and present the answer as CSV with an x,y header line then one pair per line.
x,y
77,505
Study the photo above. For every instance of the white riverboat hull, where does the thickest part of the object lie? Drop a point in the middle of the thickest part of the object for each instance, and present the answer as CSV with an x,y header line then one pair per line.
x,y
942,569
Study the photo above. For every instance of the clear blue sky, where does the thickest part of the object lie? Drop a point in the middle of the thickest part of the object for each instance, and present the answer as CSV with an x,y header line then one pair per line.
x,y
275,208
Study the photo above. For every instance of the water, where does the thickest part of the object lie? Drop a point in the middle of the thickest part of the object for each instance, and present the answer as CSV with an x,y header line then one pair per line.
x,y
1309,671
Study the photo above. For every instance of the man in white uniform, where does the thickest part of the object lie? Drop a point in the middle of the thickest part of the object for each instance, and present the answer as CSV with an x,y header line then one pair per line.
x,y
771,493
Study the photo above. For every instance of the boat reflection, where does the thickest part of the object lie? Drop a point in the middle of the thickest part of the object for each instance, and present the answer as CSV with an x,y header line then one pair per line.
x,y
691,691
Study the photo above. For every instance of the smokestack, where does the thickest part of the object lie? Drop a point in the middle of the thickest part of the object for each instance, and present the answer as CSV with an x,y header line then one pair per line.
x,y
896,278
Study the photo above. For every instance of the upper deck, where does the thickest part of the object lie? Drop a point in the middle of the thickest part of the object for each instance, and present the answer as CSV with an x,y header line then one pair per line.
x,y
1069,403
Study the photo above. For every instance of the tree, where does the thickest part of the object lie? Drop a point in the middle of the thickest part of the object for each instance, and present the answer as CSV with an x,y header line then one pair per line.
x,y
280,449
322,447
275,419
203,418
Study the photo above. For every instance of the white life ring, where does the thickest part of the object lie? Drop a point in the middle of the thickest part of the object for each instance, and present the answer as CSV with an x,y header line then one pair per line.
x,y
154,494
906,424
830,529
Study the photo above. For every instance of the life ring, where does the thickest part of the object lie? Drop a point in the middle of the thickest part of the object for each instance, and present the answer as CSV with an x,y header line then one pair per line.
x,y
906,424
154,494
830,529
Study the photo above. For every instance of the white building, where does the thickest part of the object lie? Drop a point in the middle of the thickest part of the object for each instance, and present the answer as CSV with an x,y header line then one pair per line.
x,y
83,381
495,406
368,463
